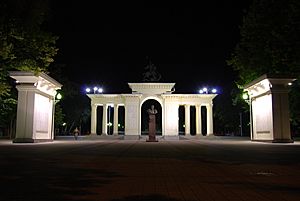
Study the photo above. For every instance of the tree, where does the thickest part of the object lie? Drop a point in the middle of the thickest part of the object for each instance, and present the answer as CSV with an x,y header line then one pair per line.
x,y
270,43
23,44
270,40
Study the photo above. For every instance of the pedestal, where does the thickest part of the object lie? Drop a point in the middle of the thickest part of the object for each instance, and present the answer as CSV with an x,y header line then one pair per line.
x,y
152,129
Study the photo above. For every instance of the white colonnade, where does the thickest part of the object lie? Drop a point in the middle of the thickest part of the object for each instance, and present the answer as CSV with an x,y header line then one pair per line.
x,y
160,92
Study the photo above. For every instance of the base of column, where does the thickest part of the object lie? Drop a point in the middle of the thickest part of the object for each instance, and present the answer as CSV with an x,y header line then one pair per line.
x,y
152,140
131,137
275,141
30,140
171,137
209,134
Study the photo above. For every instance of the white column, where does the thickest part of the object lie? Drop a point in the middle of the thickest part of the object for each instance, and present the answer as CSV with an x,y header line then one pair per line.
x,y
187,119
116,119
104,120
93,118
171,119
209,119
198,120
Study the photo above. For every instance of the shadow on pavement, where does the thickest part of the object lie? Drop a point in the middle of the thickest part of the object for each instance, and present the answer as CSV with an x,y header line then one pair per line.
x,y
146,198
43,180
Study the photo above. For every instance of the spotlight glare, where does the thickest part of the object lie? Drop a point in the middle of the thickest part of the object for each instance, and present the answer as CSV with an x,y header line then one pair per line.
x,y
58,96
214,91
88,90
245,96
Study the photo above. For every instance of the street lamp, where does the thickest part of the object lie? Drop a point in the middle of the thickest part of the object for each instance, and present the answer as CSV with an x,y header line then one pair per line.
x,y
88,90
95,89
214,91
247,99
57,98
206,90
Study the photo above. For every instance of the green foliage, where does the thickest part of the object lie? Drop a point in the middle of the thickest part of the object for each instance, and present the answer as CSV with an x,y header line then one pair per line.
x,y
270,40
23,44
58,116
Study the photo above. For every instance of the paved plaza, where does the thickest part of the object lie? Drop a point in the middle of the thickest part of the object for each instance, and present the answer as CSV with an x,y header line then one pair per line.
x,y
135,170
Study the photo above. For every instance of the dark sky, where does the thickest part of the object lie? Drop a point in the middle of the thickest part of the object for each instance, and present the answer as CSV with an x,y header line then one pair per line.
x,y
108,44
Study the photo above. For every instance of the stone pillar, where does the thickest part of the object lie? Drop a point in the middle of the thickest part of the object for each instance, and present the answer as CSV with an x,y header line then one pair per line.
x,y
198,120
93,118
116,119
171,119
35,109
270,108
210,127
104,120
132,116
187,119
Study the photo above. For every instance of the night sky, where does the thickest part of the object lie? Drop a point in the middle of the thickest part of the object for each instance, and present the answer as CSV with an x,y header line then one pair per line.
x,y
108,44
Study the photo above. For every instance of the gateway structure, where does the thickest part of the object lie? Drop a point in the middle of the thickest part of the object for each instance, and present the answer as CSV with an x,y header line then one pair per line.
x,y
36,106
169,102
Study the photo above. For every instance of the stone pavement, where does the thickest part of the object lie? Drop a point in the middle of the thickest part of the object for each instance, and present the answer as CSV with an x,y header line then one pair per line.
x,y
132,170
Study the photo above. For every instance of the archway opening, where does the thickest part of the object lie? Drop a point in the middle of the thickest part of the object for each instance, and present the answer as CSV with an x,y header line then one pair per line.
x,y
145,117
181,120
121,120
110,119
99,120
193,120
204,120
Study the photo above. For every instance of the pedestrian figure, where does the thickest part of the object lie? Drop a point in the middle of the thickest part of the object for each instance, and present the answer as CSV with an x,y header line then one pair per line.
x,y
76,133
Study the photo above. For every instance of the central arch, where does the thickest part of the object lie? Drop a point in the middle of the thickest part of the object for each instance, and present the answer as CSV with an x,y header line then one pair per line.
x,y
145,105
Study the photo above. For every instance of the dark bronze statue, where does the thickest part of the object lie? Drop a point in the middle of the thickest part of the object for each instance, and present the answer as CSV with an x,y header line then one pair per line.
x,y
152,124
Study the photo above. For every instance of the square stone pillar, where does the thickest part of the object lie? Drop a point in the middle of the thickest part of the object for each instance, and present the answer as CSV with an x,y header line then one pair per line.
x,y
104,119
36,105
116,118
270,108
187,119
198,120
93,118
132,116
210,126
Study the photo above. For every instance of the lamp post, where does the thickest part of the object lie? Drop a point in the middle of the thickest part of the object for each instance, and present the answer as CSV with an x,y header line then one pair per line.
x,y
247,99
57,98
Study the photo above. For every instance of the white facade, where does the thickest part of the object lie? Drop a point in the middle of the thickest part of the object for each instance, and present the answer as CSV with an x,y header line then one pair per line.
x,y
270,109
36,94
162,93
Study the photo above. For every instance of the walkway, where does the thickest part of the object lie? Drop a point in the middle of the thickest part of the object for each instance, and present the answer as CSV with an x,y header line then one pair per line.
x,y
121,170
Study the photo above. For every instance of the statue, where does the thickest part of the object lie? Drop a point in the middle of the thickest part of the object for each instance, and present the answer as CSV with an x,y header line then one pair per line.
x,y
152,124
151,75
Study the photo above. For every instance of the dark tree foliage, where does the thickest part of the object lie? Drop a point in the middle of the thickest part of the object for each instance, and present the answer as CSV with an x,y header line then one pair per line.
x,y
23,46
74,107
270,40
